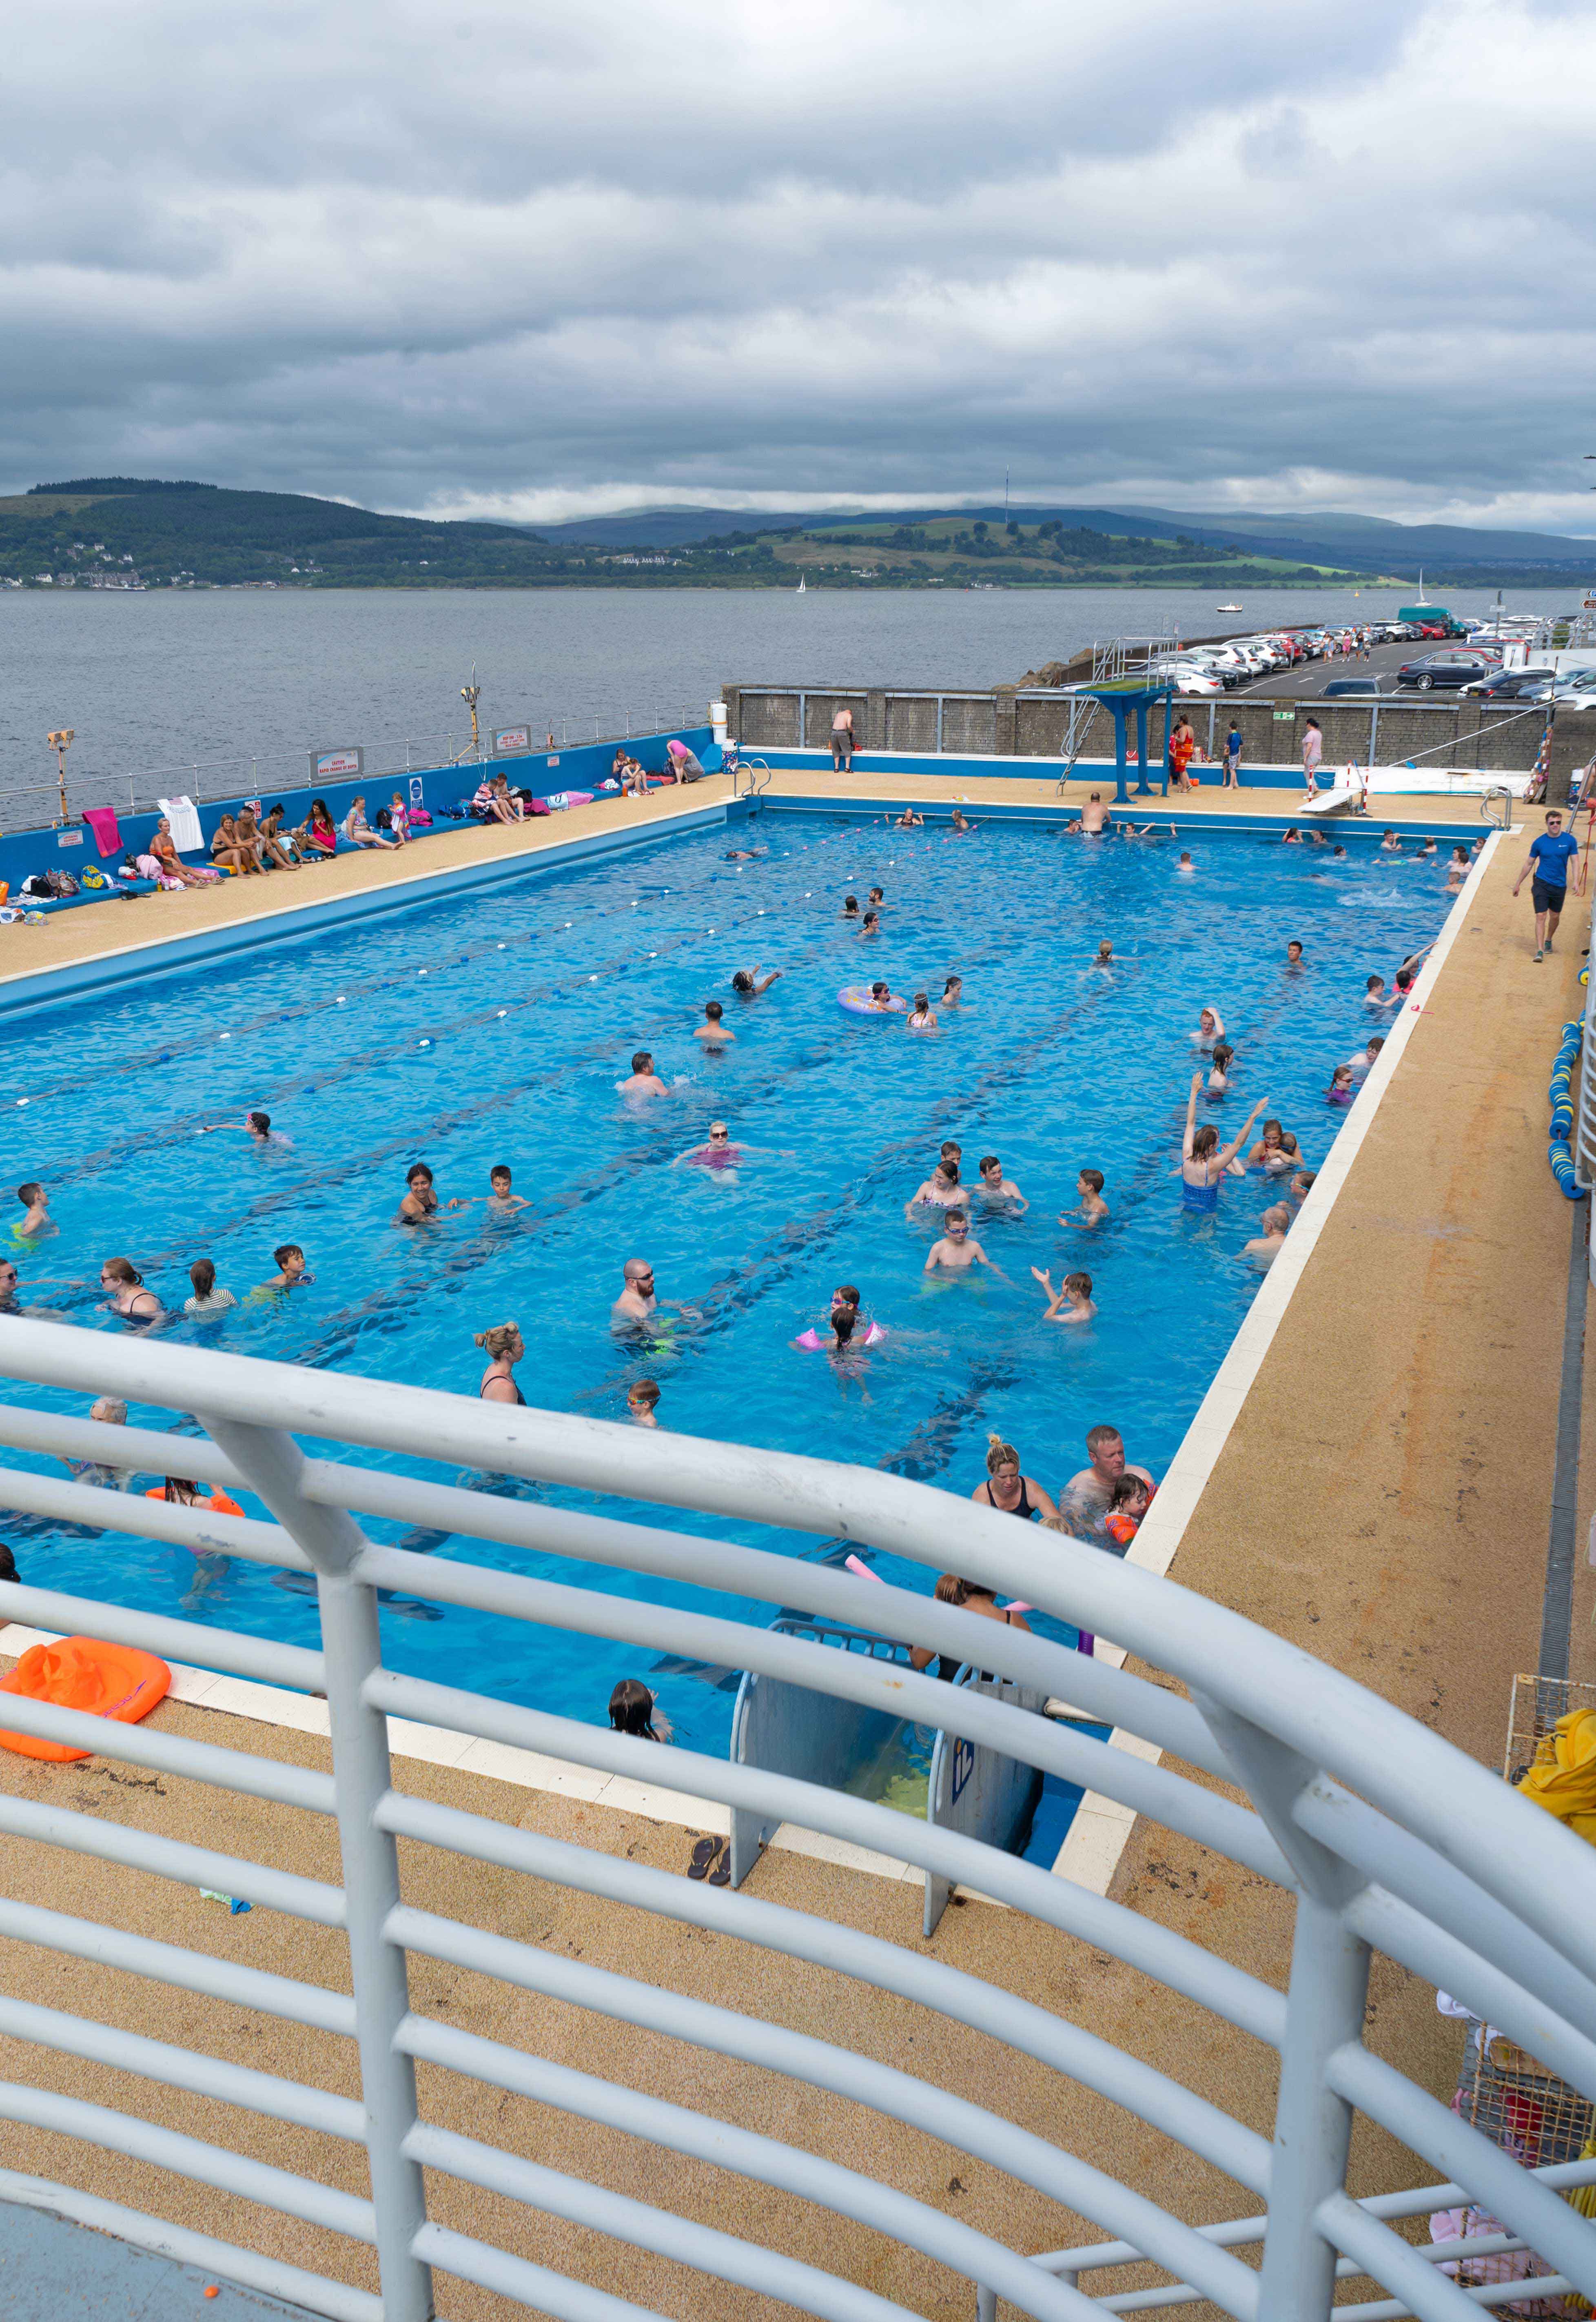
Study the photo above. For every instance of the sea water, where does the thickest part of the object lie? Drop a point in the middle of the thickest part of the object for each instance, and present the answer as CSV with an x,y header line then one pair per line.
x,y
495,1026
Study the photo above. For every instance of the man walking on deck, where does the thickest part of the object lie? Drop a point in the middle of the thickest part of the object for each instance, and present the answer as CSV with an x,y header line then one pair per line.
x,y
1546,866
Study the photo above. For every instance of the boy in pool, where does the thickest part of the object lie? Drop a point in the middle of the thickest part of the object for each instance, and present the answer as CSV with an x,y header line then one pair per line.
x,y
644,1080
957,1252
1072,1303
1293,953
1093,1209
38,1224
1104,957
1186,865
1301,1185
290,1274
1366,1056
643,1401
712,1031
257,1128
501,1202
996,1187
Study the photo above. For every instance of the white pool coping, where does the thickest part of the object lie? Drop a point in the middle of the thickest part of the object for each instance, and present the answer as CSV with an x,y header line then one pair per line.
x,y
1101,1826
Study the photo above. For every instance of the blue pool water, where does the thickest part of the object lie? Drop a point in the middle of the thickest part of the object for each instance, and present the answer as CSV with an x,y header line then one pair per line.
x,y
495,1026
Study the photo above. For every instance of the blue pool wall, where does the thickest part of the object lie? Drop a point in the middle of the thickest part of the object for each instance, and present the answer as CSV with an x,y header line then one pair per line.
x,y
542,771
293,924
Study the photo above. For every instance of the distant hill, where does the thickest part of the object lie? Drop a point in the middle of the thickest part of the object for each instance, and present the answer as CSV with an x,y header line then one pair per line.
x,y
126,531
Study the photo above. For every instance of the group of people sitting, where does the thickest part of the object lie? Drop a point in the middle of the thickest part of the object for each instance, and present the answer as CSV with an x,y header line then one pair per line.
x,y
682,765
246,845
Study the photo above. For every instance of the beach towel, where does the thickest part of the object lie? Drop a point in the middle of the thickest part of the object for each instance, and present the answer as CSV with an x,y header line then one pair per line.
x,y
102,821
183,817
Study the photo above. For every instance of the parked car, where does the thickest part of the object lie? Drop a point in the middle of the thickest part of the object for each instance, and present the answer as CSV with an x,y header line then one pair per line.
x,y
1442,669
1513,685
1339,685
1576,689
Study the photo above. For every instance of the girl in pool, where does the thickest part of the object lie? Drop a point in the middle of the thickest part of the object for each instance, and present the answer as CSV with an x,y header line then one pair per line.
x,y
1276,1150
124,1288
1219,1078
940,1191
922,1017
848,1334
1210,1029
1341,1089
503,1347
1007,1488
1203,1159
953,992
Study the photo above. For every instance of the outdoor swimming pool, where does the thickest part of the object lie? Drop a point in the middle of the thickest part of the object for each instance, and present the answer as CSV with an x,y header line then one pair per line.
x,y
495,1026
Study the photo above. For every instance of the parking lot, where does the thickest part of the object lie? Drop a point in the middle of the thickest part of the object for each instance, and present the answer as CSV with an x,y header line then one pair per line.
x,y
1308,679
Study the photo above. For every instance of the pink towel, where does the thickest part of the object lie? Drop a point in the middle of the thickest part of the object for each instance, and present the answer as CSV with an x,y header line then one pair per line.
x,y
102,821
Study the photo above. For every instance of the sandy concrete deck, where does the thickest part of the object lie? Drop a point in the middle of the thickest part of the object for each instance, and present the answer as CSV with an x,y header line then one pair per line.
x,y
1383,1499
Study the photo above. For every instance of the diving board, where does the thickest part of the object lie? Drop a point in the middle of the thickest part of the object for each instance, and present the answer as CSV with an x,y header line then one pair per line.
x,y
1351,790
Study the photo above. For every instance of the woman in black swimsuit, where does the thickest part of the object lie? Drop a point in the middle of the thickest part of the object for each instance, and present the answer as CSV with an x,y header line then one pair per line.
x,y
502,1346
971,1596
1007,1489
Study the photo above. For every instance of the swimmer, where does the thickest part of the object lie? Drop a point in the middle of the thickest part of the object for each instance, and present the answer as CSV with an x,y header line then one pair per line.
x,y
1459,859
712,1031
1210,1029
504,1346
1337,854
843,1322
124,1288
1270,1152
1293,953
1390,843
1290,835
1455,875
1093,819
1301,1185
719,1155
207,1299
951,1150
745,854
1264,1249
850,907
996,1187
257,1127
1088,1192
421,1200
957,1252
501,1202
1104,957
910,820
871,925
1092,1487
1359,1062
750,985
642,1402
1375,994
953,992
289,1261
880,998
961,824
638,1302
877,895
1317,838
970,1597
922,1015
1007,1488
1072,1303
1129,1501
1203,1159
37,1223
632,1710
1427,853
10,1304
939,1190
644,1080
1186,866
1341,1089
1219,1078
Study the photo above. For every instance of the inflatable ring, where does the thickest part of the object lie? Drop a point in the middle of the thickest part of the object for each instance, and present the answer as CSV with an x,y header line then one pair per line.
x,y
87,1674
855,998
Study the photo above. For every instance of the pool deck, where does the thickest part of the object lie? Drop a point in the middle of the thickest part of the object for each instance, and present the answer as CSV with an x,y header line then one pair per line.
x,y
1382,1498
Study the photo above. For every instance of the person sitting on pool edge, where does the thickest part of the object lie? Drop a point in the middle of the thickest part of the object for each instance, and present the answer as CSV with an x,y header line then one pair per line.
x,y
358,831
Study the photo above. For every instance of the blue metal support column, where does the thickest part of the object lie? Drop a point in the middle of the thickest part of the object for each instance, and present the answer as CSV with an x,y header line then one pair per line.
x,y
1121,795
1143,788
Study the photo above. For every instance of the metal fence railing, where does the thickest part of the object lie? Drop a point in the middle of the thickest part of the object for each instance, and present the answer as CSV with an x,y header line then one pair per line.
x,y
1381,1836
241,774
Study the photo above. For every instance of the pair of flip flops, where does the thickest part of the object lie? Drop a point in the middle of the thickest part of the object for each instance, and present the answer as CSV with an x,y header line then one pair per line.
x,y
712,1861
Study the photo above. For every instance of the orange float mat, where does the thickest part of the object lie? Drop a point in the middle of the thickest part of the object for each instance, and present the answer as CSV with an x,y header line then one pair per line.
x,y
87,1674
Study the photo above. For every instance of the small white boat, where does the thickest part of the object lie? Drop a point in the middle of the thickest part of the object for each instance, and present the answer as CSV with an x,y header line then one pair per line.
x,y
803,584
1228,609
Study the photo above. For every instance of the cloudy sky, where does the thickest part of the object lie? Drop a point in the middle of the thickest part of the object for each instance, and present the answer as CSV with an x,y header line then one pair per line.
x,y
518,260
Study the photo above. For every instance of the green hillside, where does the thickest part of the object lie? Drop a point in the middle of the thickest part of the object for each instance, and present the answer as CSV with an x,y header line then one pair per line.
x,y
121,531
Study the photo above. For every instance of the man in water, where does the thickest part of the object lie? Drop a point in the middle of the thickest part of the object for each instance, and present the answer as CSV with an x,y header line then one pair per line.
x,y
1092,1487
1094,818
712,1031
1264,1249
1293,953
995,1188
637,1304
644,1081
257,1128
958,1251
10,1298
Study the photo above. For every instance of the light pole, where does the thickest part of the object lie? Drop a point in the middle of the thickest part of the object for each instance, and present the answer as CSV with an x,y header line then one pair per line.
x,y
61,744
469,694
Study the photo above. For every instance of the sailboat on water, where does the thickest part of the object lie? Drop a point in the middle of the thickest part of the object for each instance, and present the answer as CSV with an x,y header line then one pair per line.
x,y
803,584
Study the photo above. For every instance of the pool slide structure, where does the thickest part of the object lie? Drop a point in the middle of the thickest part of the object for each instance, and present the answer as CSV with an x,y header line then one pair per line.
x,y
1378,1836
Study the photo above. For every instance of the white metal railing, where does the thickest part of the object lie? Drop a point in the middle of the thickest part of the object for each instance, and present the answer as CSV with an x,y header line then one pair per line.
x,y
1384,1837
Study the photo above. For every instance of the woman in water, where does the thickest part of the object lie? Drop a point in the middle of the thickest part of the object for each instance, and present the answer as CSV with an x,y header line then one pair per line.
x,y
1006,1488
910,820
124,1285
632,1711
969,1596
503,1347
953,992
1203,1159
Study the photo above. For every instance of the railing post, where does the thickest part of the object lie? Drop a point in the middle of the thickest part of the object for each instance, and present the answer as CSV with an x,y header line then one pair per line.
x,y
1327,2001
271,1460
